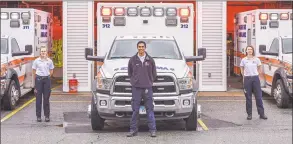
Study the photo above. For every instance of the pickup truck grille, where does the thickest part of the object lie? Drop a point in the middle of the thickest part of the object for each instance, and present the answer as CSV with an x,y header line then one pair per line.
x,y
163,84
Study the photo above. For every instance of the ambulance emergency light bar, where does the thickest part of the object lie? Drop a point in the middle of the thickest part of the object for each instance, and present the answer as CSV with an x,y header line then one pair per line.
x,y
275,16
107,12
15,16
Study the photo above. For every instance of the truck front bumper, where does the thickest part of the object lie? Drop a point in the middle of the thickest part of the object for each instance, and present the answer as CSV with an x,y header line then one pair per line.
x,y
165,107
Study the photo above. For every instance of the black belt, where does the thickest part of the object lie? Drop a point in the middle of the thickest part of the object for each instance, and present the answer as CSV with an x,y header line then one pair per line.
x,y
43,77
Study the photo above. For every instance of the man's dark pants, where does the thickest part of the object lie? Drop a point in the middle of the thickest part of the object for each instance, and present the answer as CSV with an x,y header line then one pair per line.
x,y
43,87
137,95
252,85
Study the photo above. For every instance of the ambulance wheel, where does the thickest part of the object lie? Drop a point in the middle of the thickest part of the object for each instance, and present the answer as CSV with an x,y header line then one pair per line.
x,y
280,95
96,121
191,121
11,97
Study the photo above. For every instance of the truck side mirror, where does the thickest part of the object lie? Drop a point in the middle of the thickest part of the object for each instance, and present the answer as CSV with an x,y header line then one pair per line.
x,y
29,49
262,48
89,55
201,56
202,52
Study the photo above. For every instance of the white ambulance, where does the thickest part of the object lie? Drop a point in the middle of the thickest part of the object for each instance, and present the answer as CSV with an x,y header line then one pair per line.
x,y
168,30
23,32
268,30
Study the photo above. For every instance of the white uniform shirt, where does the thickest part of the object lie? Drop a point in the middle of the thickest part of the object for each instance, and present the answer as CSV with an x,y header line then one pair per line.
x,y
141,57
43,67
250,66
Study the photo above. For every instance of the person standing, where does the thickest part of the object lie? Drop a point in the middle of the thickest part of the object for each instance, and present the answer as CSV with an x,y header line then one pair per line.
x,y
251,69
43,70
142,73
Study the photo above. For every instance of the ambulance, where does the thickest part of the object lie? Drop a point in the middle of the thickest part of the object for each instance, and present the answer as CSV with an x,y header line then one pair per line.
x,y
269,31
23,32
168,30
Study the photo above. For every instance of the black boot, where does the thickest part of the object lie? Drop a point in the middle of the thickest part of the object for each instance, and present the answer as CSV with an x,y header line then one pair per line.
x,y
47,119
249,117
263,117
39,119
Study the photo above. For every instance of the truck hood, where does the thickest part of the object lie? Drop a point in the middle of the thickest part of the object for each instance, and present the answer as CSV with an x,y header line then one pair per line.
x,y
178,67
288,58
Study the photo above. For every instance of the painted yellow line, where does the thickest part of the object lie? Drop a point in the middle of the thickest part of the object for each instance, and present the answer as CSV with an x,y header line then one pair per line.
x,y
202,124
17,110
20,108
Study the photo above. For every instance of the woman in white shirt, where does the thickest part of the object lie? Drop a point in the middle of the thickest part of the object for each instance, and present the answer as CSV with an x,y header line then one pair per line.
x,y
251,69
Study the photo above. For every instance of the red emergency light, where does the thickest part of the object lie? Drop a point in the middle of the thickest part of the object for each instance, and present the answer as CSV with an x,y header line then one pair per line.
x,y
184,12
263,16
106,11
118,11
284,16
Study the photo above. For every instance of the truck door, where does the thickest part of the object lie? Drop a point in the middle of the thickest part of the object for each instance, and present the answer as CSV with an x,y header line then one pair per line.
x,y
271,62
17,62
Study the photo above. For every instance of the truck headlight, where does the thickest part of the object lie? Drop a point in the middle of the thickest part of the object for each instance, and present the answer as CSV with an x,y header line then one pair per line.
x,y
185,83
103,83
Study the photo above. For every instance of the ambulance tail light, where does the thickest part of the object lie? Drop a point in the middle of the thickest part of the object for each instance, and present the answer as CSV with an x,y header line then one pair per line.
x,y
119,11
284,16
4,15
132,11
184,12
263,16
106,11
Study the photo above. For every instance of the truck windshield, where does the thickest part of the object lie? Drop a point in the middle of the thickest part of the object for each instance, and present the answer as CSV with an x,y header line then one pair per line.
x,y
287,45
4,46
165,49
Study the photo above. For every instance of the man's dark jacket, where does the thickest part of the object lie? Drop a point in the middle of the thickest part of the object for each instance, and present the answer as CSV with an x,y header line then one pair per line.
x,y
142,74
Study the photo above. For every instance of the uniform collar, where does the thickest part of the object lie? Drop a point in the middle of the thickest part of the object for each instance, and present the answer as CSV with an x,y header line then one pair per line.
x,y
147,57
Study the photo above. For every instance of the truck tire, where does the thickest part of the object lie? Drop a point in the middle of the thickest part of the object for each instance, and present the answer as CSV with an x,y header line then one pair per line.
x,y
11,97
280,95
191,121
96,121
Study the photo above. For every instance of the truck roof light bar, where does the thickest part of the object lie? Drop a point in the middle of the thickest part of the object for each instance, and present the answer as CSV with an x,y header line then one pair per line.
x,y
284,16
171,12
145,12
263,16
158,12
119,11
132,11
14,15
274,16
4,15
106,11
184,12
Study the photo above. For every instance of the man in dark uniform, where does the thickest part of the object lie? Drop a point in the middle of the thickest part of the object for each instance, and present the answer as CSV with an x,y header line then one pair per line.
x,y
142,73
42,70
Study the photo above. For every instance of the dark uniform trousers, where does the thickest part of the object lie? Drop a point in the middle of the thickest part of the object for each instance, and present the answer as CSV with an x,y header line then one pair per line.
x,y
252,85
43,87
147,95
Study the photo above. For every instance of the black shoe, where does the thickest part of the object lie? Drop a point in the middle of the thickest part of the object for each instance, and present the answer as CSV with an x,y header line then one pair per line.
x,y
263,117
153,134
131,134
47,119
249,117
39,119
